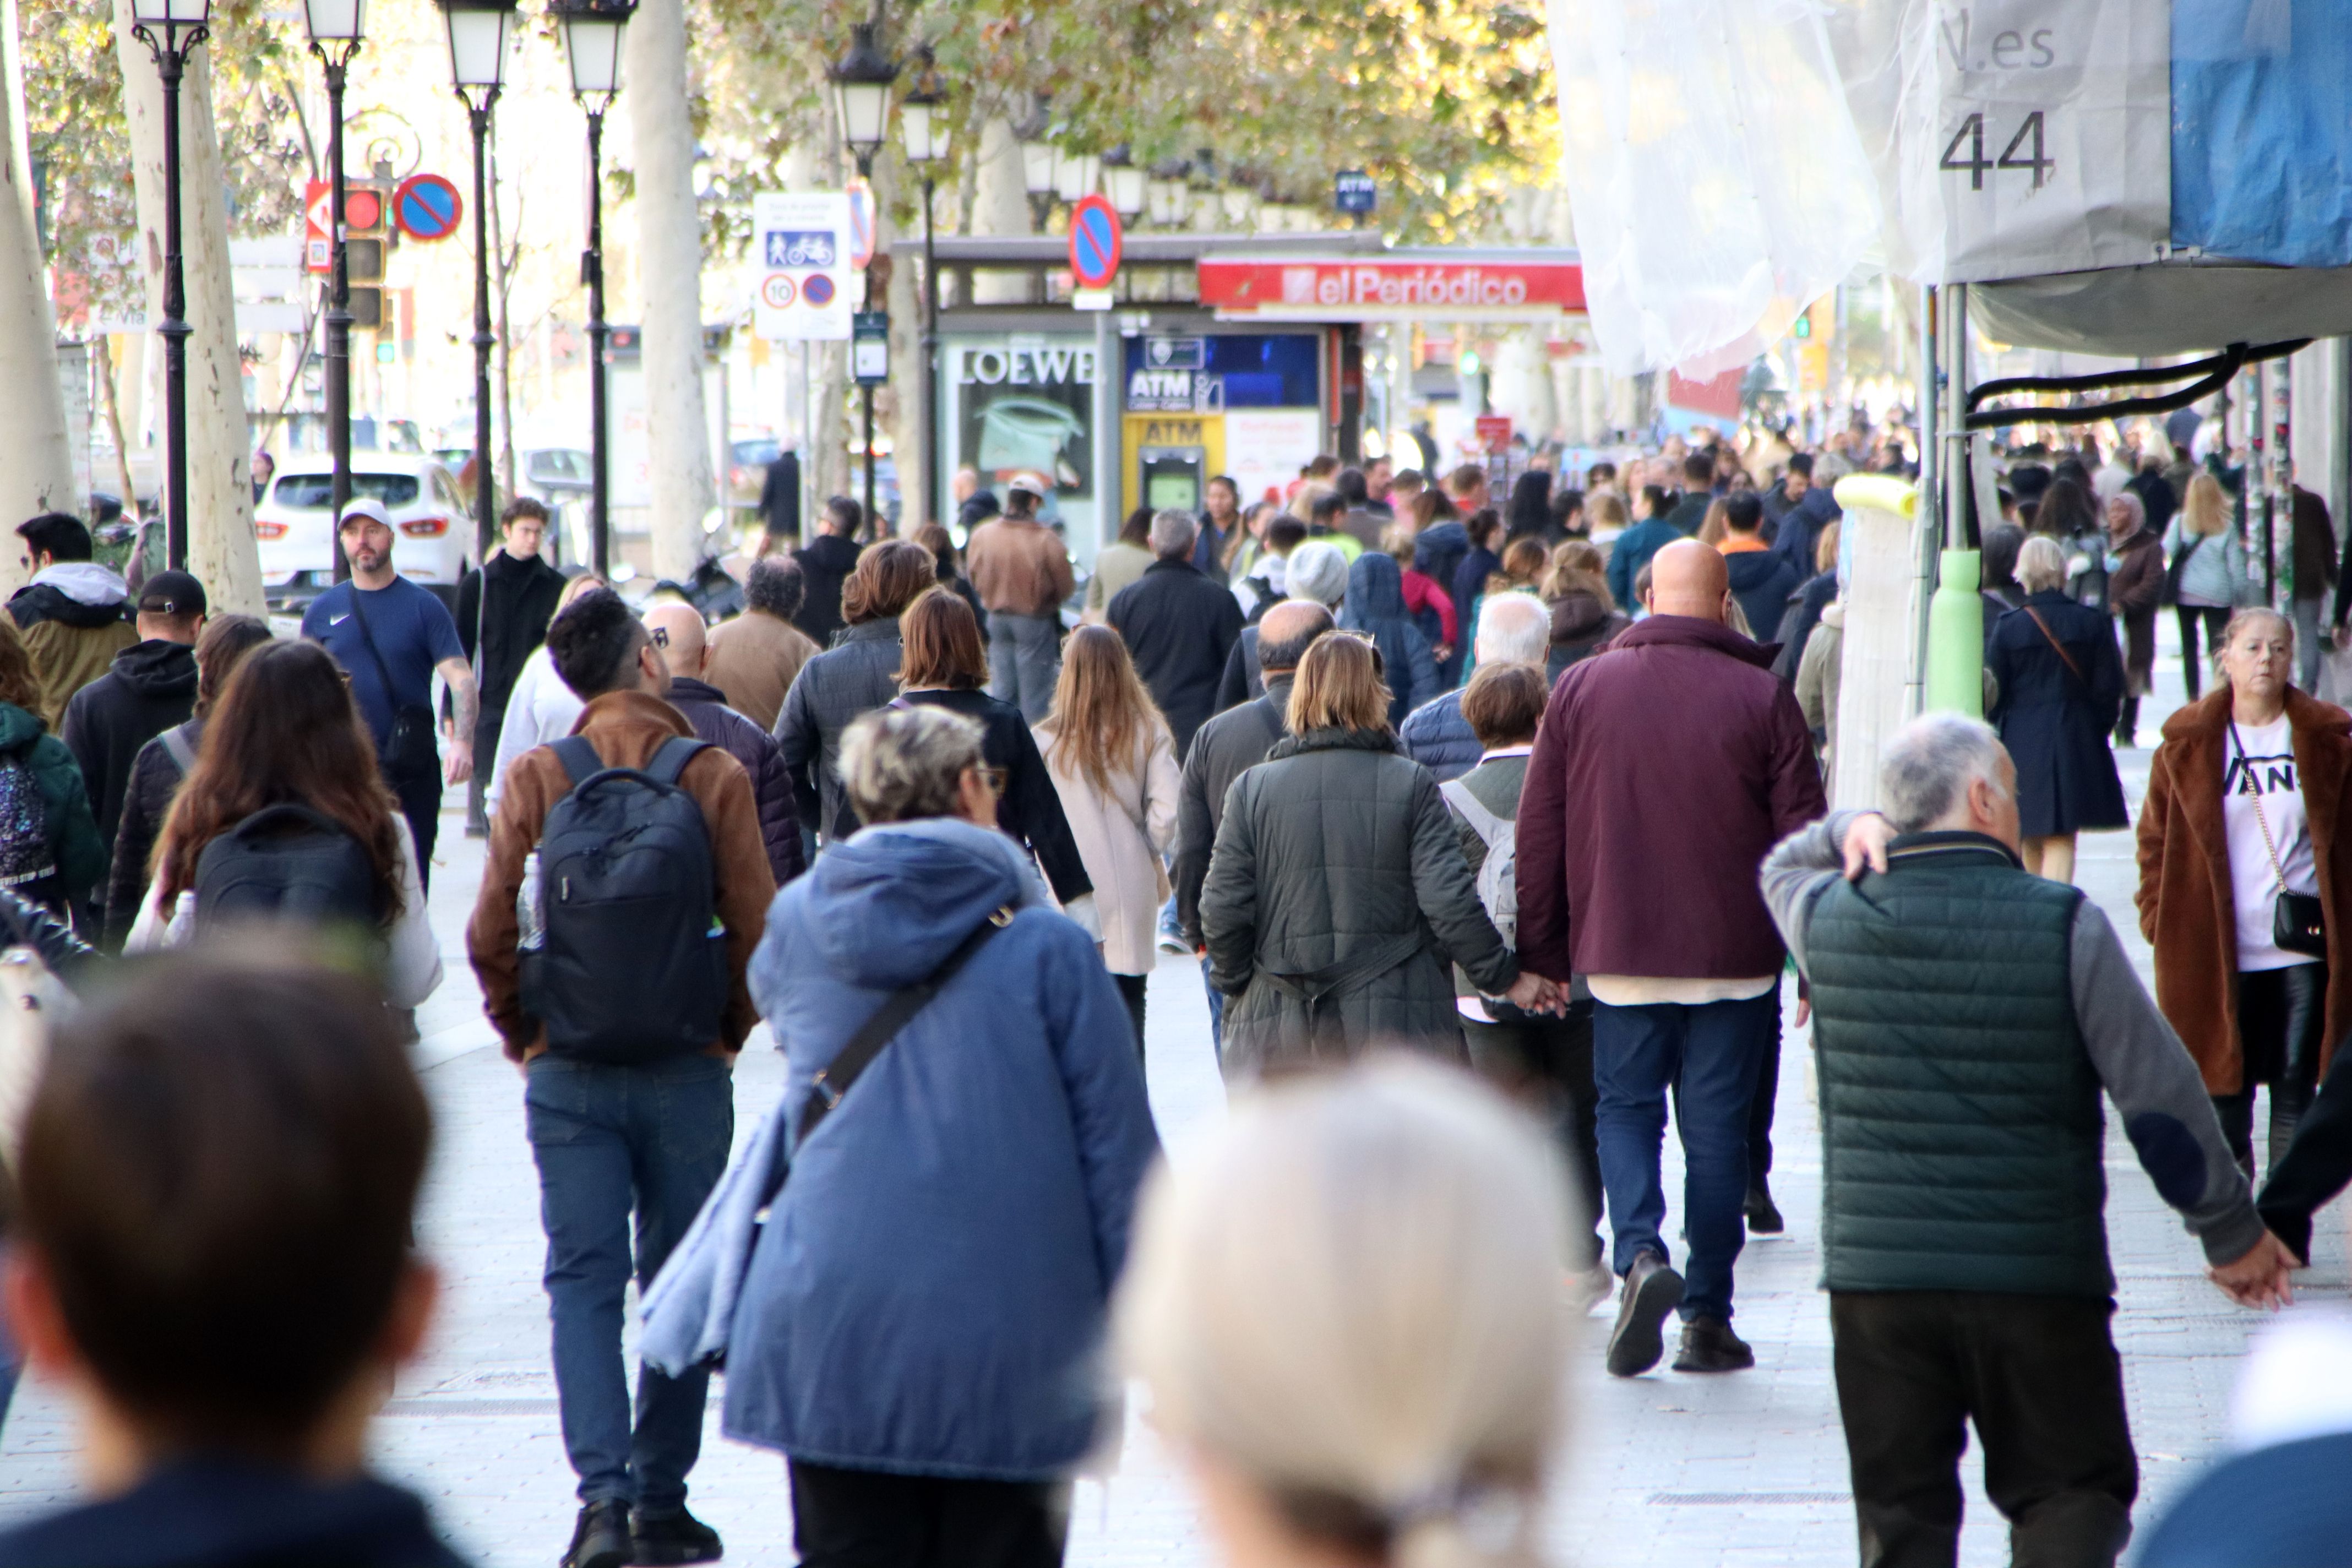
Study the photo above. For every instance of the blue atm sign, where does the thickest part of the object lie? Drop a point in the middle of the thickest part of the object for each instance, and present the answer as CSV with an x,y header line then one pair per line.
x,y
1353,191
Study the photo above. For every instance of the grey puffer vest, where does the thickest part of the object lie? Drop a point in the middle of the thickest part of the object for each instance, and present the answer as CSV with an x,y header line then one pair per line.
x,y
1960,1116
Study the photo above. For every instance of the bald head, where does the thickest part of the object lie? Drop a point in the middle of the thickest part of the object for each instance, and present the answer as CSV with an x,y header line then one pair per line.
x,y
1687,578
1286,632
678,632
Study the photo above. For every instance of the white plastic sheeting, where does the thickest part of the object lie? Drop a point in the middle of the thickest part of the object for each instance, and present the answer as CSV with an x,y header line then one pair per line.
x,y
1718,183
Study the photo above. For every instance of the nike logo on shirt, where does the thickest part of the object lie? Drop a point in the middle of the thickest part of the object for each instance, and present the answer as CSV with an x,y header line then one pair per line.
x,y
337,620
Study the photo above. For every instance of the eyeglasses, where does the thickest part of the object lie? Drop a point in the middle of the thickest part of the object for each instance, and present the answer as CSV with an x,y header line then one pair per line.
x,y
661,636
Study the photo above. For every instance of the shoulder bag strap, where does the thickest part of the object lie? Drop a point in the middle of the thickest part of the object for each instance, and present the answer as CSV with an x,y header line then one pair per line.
x,y
176,746
2262,820
834,1080
2055,644
1484,823
382,671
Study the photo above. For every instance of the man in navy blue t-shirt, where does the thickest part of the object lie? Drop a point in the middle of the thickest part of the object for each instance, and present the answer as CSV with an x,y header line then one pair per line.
x,y
413,634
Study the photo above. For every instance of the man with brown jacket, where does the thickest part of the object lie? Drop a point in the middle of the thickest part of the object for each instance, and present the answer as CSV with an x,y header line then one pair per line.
x,y
608,1137
1022,572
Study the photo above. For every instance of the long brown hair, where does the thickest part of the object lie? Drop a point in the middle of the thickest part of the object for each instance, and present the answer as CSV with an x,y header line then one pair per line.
x,y
220,648
941,646
286,733
1576,566
18,684
1103,718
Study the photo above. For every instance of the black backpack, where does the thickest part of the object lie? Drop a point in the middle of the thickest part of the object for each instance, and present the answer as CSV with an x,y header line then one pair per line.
x,y
286,863
631,965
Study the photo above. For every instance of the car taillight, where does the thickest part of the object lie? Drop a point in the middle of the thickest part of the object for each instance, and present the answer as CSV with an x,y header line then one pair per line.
x,y
268,531
425,527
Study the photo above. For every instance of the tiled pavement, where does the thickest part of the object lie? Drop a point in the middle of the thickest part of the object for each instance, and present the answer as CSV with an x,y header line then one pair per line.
x,y
1666,1468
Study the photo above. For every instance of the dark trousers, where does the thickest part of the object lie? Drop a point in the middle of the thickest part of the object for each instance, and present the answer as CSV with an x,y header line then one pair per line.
x,y
1767,1097
610,1139
2316,1165
1710,1056
2213,618
867,1519
2281,1013
2039,1376
486,756
1547,1063
419,794
1131,992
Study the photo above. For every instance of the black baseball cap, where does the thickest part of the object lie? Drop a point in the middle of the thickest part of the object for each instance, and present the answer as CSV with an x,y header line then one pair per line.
x,y
171,593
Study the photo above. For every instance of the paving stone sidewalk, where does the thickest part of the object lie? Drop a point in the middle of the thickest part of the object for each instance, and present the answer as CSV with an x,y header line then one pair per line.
x,y
1742,1469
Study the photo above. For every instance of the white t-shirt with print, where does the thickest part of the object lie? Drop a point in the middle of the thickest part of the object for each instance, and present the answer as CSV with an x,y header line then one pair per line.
x,y
2264,772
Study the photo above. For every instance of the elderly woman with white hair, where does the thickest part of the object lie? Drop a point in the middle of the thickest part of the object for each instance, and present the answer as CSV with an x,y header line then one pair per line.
x,y
2134,590
2062,687
1346,1307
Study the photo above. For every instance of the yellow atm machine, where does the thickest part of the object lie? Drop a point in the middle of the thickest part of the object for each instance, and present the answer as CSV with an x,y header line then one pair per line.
x,y
1188,400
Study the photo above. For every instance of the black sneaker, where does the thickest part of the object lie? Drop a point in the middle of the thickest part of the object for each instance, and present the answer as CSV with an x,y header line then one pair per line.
x,y
658,1539
1763,1213
1709,1345
601,1539
1652,1292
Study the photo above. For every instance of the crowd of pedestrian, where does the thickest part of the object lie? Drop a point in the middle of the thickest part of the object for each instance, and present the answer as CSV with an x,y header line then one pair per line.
x,y
1496,824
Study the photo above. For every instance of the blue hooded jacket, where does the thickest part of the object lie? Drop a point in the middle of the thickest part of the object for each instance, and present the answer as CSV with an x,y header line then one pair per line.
x,y
1375,603
930,1290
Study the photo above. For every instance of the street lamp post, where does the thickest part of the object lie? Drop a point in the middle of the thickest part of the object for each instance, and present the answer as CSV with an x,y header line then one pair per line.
x,y
479,31
923,128
593,32
861,93
336,28
183,25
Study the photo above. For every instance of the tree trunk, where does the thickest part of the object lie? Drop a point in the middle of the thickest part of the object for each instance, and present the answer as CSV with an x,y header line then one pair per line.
x,y
36,460
669,240
221,551
1000,205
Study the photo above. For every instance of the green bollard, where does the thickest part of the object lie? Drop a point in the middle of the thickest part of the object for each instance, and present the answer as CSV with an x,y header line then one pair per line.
x,y
1955,637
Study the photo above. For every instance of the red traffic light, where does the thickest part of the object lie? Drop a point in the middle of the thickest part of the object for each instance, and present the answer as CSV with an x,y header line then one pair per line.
x,y
362,209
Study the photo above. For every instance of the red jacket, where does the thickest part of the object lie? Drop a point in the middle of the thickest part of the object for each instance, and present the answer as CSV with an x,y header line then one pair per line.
x,y
1665,768
1421,592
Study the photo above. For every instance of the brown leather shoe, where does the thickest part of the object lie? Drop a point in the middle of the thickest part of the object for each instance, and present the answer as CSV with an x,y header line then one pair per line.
x,y
1652,1292
1709,1345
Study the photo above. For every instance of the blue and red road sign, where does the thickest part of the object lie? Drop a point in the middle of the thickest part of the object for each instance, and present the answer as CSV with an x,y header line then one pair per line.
x,y
1094,242
426,207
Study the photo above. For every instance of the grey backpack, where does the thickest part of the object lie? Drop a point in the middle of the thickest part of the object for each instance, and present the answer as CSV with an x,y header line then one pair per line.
x,y
1498,874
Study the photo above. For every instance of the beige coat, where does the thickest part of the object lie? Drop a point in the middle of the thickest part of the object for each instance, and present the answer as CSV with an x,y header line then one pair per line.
x,y
1122,836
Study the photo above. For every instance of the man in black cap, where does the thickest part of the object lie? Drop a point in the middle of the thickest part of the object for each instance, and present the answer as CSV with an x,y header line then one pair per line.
x,y
151,687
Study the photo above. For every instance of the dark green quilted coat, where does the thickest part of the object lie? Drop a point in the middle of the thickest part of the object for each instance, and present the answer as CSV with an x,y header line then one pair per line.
x,y
1960,1117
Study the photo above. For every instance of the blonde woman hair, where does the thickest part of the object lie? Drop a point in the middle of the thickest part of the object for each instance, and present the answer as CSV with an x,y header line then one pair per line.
x,y
2041,564
1605,510
1338,688
1103,719
1349,1299
1825,548
1715,524
1302,505
2205,510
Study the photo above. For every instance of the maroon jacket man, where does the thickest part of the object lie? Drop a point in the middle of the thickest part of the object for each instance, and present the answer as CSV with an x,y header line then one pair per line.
x,y
1665,768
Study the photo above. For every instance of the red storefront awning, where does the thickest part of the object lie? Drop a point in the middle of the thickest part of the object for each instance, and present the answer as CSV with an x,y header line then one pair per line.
x,y
1396,284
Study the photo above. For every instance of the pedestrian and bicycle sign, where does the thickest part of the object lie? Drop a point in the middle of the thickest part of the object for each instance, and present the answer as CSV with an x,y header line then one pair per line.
x,y
802,242
426,207
1094,242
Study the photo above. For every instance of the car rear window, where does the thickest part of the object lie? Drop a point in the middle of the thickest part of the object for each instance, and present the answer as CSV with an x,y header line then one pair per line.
x,y
317,490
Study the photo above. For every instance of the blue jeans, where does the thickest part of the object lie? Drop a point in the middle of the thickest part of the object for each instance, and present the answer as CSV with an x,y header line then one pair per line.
x,y
1024,659
1216,1012
608,1140
1716,1050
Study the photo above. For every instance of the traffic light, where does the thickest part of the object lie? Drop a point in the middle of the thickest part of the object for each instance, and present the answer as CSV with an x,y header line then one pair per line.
x,y
367,228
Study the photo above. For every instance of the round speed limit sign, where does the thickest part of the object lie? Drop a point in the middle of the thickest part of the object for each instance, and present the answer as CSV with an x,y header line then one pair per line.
x,y
778,292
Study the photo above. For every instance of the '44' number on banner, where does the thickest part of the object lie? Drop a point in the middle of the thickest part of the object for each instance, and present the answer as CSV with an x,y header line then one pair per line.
x,y
1972,132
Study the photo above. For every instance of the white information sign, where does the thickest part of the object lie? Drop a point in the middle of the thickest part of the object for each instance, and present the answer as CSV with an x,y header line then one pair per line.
x,y
1266,448
800,244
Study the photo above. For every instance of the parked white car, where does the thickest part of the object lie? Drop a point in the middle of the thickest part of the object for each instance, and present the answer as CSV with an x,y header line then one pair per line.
x,y
293,524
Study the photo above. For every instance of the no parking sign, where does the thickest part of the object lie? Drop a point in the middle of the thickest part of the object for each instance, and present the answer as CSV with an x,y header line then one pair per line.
x,y
1095,243
426,207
